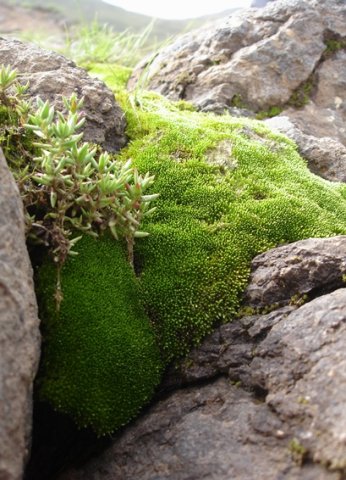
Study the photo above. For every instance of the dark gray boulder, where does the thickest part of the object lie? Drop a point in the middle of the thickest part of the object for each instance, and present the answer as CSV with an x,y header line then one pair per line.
x,y
51,75
210,433
19,332
264,396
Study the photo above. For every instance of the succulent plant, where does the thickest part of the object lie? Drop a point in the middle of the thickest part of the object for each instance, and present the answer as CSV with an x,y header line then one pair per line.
x,y
69,186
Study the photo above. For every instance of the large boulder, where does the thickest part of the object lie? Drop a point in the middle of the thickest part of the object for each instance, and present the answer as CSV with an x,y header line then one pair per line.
x,y
264,396
288,56
258,56
19,332
51,75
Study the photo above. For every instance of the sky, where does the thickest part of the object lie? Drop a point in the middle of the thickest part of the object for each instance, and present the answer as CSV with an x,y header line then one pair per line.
x,y
178,9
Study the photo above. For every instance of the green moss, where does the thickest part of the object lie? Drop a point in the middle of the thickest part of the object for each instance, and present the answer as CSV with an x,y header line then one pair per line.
x,y
301,96
210,221
299,453
100,359
271,112
333,45
113,74
238,102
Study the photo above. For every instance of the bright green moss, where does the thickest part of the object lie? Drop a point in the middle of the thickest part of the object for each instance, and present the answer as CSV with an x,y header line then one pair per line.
x,y
210,220
101,362
116,75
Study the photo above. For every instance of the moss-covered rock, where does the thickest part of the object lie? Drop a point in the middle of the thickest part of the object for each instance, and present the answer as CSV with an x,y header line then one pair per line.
x,y
229,189
214,215
100,362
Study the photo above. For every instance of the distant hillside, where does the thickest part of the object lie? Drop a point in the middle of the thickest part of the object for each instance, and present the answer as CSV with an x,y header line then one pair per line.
x,y
120,19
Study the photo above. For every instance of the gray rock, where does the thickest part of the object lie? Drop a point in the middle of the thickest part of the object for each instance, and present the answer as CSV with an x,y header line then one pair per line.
x,y
229,350
325,114
302,364
19,332
326,157
285,274
211,433
51,76
260,55
268,401
259,58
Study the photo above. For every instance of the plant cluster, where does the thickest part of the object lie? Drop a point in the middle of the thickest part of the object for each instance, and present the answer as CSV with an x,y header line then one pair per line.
x,y
95,43
192,269
67,185
211,220
101,362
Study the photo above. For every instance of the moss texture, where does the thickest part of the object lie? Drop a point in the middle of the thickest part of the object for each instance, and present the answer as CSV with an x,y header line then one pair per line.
x,y
229,189
212,219
101,363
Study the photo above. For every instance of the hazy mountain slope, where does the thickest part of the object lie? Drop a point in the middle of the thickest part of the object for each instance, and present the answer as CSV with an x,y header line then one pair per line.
x,y
120,19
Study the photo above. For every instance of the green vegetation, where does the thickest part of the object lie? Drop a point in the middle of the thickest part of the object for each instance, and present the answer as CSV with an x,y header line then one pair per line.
x,y
238,102
210,221
302,94
96,43
68,186
101,362
298,452
107,345
335,44
271,112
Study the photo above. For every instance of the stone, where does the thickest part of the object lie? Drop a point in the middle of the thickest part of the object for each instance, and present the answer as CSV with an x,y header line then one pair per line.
x,y
286,274
51,75
264,396
19,332
325,114
259,55
261,58
306,376
210,433
326,156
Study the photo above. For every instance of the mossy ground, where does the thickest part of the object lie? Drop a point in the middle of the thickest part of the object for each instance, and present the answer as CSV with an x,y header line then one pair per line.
x,y
101,360
210,220
214,214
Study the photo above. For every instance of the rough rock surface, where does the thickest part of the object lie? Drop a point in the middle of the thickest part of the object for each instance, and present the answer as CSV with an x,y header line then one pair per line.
x,y
289,54
262,55
325,114
326,156
309,267
264,396
51,75
19,332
